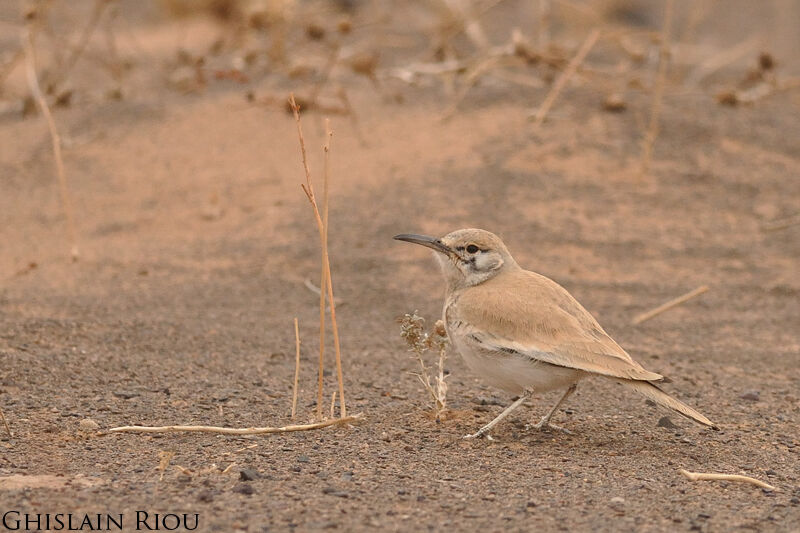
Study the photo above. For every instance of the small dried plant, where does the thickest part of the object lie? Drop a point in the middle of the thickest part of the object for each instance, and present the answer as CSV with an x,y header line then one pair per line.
x,y
412,329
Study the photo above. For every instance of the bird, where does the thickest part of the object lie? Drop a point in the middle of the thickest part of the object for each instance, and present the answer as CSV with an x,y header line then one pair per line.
x,y
524,333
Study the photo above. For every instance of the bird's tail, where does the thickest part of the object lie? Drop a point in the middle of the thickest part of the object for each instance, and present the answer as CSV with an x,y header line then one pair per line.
x,y
652,392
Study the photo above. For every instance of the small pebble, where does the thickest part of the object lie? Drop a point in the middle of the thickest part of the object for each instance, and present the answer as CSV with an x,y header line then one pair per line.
x,y
752,396
615,103
244,488
87,424
665,422
248,474
617,500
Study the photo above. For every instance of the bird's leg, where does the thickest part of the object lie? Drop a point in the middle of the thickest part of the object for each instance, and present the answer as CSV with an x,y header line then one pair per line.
x,y
544,423
485,429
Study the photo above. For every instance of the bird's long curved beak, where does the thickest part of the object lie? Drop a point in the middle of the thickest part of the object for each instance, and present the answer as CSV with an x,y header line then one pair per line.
x,y
431,242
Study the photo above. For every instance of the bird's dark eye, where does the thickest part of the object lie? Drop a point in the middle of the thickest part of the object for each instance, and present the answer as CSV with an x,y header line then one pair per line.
x,y
472,249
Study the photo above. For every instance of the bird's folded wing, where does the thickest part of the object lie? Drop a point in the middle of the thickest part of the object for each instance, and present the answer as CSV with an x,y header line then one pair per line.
x,y
546,330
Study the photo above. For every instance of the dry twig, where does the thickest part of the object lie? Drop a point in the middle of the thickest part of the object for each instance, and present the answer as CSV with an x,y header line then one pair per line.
x,y
782,223
669,305
234,431
164,457
543,24
309,190
331,298
296,366
72,59
326,279
658,90
702,476
313,288
540,114
11,64
36,92
5,423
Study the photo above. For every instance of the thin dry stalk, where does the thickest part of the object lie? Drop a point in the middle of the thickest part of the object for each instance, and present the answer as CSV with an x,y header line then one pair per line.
x,y
721,60
439,341
296,366
322,283
313,288
783,223
543,29
309,190
234,431
332,60
669,305
333,404
327,282
471,79
11,64
540,114
36,92
164,457
5,424
702,476
331,299
467,20
658,91
72,59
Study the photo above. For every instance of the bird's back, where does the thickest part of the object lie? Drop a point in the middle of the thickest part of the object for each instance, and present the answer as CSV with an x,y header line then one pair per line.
x,y
523,311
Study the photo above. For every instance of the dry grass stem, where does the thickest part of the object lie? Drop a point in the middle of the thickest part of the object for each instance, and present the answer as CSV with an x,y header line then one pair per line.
x,y
471,79
11,64
658,90
412,329
702,476
540,114
466,19
77,51
313,288
721,60
296,366
783,223
543,20
309,190
234,431
333,404
5,424
669,305
333,59
326,282
164,458
36,92
331,298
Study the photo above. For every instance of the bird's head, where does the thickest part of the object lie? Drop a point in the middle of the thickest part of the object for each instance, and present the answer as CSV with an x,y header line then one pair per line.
x,y
468,257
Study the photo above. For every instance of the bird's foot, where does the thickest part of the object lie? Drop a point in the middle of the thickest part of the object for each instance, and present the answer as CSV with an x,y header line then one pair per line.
x,y
478,434
545,425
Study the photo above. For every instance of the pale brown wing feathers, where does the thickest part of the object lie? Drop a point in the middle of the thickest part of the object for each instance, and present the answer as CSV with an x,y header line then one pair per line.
x,y
546,323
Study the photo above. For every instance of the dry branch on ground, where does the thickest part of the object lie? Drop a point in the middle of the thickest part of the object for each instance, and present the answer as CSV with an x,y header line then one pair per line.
x,y
702,476
234,431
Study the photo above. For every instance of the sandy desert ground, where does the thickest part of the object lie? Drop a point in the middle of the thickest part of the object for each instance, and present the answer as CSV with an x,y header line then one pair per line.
x,y
196,240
